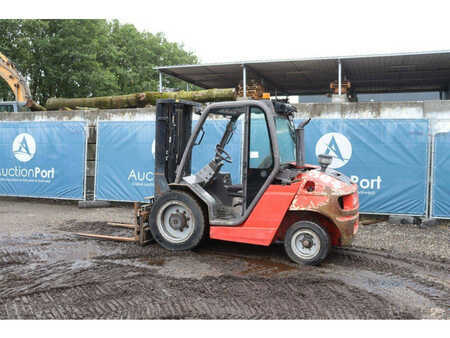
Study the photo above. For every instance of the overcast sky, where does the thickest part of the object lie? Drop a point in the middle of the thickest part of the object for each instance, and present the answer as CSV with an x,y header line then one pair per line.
x,y
229,30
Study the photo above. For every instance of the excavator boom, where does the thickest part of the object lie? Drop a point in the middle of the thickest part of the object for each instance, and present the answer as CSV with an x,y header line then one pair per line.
x,y
18,85
14,79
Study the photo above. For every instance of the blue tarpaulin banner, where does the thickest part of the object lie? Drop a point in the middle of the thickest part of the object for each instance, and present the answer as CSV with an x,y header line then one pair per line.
x,y
43,159
387,159
441,176
203,153
125,160
126,157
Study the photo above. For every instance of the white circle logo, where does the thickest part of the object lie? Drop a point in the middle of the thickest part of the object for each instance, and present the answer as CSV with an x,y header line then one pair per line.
x,y
24,147
337,146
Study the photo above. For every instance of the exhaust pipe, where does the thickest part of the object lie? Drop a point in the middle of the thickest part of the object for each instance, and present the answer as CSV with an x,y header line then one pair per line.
x,y
300,143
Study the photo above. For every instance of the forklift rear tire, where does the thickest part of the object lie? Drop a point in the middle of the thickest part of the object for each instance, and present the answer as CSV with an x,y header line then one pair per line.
x,y
177,221
307,243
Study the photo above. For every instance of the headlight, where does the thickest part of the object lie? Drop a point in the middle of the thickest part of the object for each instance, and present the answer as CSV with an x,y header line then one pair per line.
x,y
324,161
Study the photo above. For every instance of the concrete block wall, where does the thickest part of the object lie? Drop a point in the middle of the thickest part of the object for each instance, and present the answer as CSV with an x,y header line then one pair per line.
x,y
438,111
392,110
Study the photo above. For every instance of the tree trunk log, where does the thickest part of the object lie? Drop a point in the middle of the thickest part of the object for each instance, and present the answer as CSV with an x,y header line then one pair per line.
x,y
34,106
141,99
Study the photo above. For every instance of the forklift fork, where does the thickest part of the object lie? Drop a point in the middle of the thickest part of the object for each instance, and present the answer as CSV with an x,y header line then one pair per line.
x,y
141,231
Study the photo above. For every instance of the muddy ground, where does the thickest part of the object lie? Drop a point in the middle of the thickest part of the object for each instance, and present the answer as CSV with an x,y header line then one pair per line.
x,y
392,271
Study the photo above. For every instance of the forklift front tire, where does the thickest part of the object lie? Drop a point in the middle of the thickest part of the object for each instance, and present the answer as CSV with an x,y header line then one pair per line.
x,y
177,221
307,243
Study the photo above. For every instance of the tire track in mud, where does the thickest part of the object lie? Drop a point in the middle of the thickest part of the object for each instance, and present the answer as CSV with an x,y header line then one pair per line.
x,y
416,277
128,293
425,272
387,258
113,282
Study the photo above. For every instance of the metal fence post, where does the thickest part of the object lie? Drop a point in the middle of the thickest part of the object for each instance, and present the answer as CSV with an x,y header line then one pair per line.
x,y
430,174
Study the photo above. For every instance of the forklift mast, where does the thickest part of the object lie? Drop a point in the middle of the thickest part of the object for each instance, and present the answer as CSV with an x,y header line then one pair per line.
x,y
173,130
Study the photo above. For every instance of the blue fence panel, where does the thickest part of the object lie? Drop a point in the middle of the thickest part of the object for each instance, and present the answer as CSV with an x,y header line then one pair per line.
x,y
441,176
43,159
260,147
203,153
126,153
388,159
125,160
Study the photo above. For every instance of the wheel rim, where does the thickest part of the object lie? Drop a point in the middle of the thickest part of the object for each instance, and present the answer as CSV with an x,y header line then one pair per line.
x,y
305,244
175,222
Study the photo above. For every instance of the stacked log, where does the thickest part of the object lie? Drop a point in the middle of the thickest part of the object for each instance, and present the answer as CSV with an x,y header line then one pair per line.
x,y
255,90
138,100
34,106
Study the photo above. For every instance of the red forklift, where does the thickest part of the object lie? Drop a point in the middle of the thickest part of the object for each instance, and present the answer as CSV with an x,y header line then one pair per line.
x,y
276,198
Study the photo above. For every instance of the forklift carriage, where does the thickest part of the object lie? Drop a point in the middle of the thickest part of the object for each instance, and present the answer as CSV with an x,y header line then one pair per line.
x,y
276,198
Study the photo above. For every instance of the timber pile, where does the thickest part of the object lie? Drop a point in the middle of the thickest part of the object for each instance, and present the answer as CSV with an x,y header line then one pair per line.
x,y
139,100
255,90
345,87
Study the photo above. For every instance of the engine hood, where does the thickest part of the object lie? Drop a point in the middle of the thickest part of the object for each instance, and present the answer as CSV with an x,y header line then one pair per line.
x,y
330,181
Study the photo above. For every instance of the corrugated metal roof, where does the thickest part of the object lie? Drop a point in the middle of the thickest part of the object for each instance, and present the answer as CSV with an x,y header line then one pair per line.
x,y
367,73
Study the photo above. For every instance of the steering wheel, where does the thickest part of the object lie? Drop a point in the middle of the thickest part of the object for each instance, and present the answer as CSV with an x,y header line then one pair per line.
x,y
222,155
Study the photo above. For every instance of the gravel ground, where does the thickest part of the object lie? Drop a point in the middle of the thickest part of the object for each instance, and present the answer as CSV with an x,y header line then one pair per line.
x,y
40,215
35,215
46,272
431,241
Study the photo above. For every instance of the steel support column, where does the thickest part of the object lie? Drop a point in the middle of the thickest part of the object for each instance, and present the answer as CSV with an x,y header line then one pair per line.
x,y
339,77
244,80
160,82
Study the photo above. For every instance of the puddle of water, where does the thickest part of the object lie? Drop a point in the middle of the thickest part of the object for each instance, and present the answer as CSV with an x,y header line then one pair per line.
x,y
254,266
188,267
153,261
81,264
265,268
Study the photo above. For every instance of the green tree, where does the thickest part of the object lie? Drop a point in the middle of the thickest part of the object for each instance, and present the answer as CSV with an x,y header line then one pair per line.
x,y
137,53
83,58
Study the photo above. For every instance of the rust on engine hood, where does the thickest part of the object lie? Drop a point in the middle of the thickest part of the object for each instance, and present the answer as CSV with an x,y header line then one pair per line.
x,y
320,192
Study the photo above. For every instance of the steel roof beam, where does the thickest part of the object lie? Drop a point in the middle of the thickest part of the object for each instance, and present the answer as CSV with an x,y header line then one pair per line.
x,y
194,82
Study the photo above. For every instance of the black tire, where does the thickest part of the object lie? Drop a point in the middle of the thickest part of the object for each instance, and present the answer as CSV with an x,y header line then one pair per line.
x,y
307,229
162,231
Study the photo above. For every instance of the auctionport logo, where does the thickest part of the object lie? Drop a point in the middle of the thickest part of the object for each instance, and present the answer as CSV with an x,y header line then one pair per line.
x,y
339,147
24,147
336,145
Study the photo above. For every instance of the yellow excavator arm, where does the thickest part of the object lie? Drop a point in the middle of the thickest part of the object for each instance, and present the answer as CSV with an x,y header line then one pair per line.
x,y
15,80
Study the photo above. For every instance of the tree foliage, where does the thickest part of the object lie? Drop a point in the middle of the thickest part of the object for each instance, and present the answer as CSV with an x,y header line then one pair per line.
x,y
84,58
